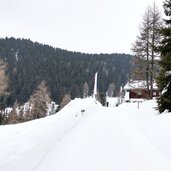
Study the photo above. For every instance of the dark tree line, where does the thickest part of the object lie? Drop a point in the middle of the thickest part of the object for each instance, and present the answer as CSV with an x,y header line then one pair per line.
x,y
65,72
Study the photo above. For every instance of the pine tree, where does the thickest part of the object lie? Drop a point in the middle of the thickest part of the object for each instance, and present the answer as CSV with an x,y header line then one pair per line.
x,y
101,97
164,80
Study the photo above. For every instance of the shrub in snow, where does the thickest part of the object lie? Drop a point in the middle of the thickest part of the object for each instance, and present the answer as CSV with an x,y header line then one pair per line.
x,y
65,100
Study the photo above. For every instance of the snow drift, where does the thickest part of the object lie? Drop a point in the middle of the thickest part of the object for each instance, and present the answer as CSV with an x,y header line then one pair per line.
x,y
84,136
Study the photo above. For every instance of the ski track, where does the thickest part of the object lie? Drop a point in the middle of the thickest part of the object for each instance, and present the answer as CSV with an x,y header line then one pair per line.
x,y
103,139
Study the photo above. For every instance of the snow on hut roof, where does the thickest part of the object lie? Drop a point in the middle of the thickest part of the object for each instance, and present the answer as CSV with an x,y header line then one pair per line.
x,y
138,84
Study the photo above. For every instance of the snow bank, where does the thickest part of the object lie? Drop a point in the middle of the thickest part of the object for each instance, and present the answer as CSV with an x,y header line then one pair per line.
x,y
154,126
84,136
28,143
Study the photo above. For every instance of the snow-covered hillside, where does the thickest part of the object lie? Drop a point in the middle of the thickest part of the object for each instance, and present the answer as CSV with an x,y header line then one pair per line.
x,y
122,138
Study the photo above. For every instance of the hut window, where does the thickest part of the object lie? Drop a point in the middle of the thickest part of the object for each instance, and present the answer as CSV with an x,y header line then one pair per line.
x,y
139,93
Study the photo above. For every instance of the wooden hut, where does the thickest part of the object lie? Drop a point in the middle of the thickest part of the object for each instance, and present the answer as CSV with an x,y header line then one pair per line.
x,y
137,89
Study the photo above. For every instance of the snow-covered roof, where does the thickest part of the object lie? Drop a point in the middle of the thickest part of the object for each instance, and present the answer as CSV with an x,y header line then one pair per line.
x,y
138,84
168,73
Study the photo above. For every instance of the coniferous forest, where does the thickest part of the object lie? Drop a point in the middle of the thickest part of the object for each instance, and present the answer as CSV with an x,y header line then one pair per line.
x,y
65,72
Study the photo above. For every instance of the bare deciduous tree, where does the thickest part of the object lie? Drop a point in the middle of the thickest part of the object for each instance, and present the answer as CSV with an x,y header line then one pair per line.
x,y
39,100
3,77
65,100
110,90
85,90
144,47
3,88
13,118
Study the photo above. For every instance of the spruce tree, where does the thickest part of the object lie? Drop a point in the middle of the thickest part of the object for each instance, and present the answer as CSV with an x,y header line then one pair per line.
x,y
164,80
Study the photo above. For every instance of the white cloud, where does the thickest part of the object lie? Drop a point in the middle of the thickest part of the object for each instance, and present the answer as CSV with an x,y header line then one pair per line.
x,y
102,26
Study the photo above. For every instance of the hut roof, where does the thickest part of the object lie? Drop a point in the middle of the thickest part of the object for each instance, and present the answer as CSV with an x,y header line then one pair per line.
x,y
138,84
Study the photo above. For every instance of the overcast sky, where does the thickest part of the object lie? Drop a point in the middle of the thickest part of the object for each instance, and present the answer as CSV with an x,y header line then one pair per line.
x,y
90,26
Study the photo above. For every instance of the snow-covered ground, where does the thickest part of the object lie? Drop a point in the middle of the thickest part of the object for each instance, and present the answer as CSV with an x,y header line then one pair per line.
x,y
122,138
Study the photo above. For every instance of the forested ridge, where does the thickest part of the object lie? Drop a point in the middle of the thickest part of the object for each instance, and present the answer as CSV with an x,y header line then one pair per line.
x,y
65,72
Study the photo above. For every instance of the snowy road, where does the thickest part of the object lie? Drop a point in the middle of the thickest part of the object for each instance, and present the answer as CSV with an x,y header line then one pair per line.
x,y
103,139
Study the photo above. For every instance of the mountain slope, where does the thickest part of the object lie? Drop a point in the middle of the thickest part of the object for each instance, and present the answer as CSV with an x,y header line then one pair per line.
x,y
64,72
122,138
